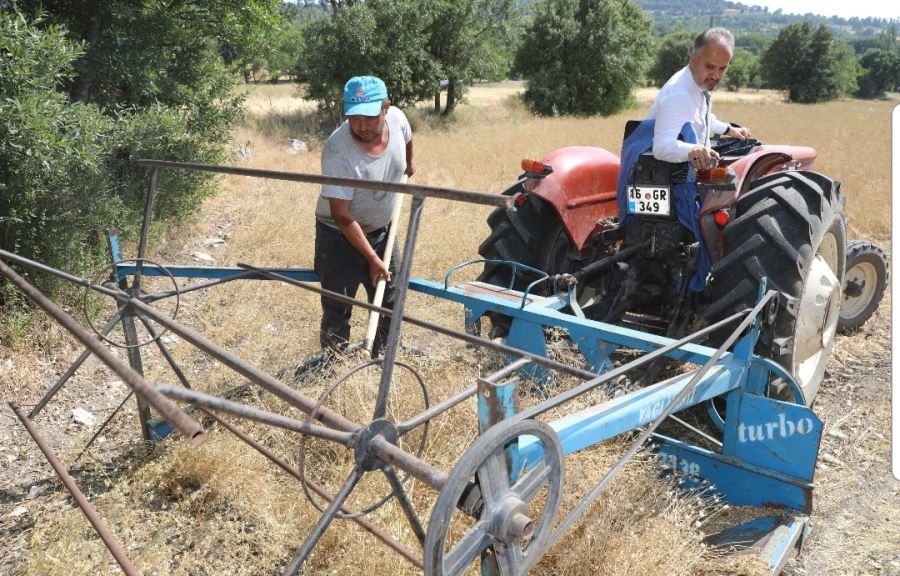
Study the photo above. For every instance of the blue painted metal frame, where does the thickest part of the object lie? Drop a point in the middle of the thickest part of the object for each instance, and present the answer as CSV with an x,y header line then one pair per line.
x,y
770,447
218,273
769,451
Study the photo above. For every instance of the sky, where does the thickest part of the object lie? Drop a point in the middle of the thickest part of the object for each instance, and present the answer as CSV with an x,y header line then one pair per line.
x,y
844,8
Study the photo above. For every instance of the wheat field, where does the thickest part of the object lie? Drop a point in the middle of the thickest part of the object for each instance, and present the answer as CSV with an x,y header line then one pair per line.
x,y
223,509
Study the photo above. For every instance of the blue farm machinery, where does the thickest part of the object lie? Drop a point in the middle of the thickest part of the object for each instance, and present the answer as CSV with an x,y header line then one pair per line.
x,y
716,294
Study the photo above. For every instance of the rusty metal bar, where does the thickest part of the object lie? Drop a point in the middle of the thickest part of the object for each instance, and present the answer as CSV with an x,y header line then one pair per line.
x,y
105,535
324,521
373,529
469,338
386,451
181,421
255,375
117,294
378,186
396,324
449,403
150,298
71,370
405,503
129,328
250,413
395,456
103,426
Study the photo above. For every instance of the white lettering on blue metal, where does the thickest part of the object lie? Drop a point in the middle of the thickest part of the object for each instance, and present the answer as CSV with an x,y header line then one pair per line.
x,y
781,428
682,465
652,412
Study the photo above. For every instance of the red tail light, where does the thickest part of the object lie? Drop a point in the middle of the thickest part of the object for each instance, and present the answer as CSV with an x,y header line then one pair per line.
x,y
533,167
716,174
520,199
722,217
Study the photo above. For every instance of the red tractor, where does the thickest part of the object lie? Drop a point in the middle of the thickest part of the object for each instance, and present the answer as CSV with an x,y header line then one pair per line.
x,y
646,252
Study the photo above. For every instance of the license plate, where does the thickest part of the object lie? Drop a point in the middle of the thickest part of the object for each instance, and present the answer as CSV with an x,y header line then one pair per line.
x,y
652,200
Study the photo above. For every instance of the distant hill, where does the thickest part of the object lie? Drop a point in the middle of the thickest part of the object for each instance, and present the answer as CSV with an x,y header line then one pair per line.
x,y
744,19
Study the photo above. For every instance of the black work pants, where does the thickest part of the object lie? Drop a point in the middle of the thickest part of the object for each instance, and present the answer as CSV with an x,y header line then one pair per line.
x,y
342,269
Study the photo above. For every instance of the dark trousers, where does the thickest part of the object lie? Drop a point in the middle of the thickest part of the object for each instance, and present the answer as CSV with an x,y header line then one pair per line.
x,y
342,269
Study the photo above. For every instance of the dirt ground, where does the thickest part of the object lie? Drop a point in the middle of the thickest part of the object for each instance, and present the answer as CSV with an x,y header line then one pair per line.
x,y
855,522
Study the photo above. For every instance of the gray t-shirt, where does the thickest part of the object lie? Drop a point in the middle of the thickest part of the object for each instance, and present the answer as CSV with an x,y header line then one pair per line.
x,y
342,157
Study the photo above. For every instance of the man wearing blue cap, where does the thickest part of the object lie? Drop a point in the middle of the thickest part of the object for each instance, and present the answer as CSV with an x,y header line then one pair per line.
x,y
374,143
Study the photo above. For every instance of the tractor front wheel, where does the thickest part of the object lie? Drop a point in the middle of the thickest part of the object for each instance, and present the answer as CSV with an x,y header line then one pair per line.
x,y
864,284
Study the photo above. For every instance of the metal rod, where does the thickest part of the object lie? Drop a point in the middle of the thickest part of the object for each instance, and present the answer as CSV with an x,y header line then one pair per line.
x,y
150,298
469,338
255,375
646,432
405,503
145,224
103,426
396,326
105,535
71,370
449,403
584,387
395,456
134,360
165,352
244,411
117,294
181,421
373,529
376,186
145,230
323,522
403,460
594,267
695,430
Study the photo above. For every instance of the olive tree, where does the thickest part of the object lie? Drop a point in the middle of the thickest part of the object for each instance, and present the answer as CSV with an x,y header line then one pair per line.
x,y
584,57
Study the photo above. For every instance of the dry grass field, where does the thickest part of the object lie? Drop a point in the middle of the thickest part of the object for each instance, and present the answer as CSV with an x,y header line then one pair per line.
x,y
223,509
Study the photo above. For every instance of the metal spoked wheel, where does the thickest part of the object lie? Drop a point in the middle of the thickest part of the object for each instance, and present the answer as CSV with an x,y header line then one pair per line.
x,y
513,518
161,290
385,427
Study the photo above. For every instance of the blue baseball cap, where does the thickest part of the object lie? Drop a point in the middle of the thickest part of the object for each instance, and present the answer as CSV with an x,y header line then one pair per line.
x,y
363,96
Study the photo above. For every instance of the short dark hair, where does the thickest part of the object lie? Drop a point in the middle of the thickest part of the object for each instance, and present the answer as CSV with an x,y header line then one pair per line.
x,y
718,34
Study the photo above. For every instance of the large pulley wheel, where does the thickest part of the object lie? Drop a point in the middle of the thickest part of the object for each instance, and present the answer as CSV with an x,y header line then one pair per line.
x,y
864,284
790,230
512,519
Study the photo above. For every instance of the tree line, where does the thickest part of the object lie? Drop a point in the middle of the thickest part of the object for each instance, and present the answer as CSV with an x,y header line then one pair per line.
x,y
86,87
578,56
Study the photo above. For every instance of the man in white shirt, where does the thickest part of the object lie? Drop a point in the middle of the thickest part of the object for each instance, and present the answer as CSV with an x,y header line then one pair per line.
x,y
685,98
375,143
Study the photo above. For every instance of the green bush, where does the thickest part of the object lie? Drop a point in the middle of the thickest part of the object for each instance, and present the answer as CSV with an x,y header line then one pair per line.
x,y
55,191
66,168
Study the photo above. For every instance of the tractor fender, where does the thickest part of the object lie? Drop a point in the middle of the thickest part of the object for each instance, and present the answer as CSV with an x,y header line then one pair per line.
x,y
765,159
581,189
768,159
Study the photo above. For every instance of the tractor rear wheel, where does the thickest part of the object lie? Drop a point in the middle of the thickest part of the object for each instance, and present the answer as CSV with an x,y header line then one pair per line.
x,y
530,234
516,236
790,230
864,284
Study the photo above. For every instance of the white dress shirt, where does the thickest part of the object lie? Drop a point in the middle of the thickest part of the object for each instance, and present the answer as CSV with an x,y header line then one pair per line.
x,y
679,101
